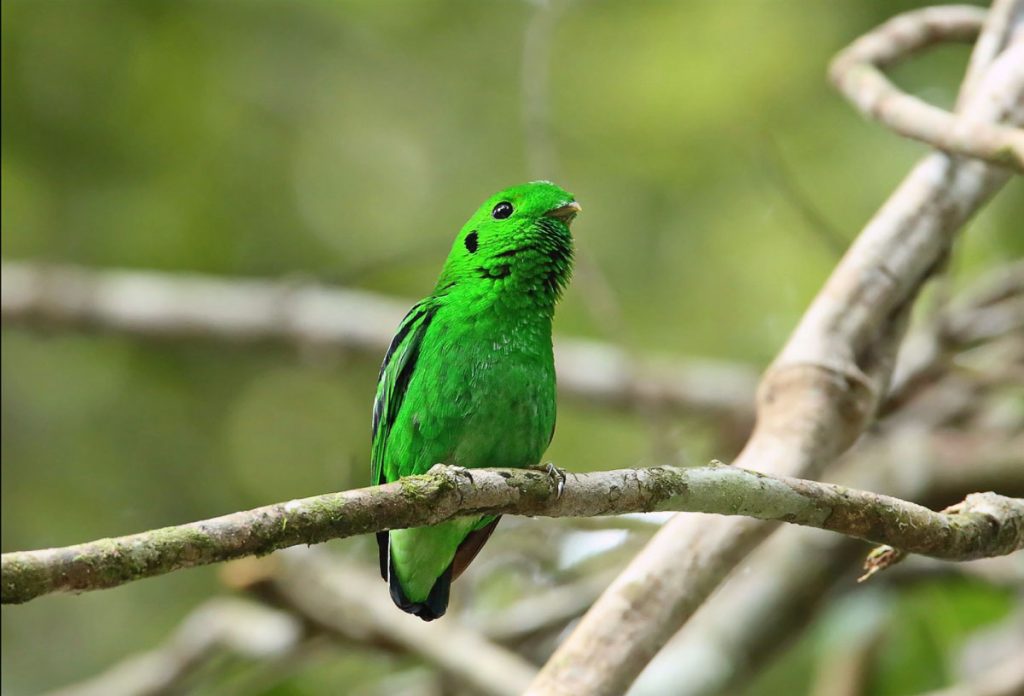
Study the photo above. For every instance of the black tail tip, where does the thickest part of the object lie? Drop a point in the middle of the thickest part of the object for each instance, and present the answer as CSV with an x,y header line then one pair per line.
x,y
436,603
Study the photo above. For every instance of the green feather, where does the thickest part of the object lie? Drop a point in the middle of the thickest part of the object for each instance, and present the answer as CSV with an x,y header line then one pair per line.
x,y
469,378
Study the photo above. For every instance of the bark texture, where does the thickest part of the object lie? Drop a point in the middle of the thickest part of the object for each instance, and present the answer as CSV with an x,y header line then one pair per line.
x,y
986,525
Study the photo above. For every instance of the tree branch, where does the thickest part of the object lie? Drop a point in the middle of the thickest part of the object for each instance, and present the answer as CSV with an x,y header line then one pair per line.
x,y
217,627
987,525
191,306
1005,16
993,307
344,598
857,73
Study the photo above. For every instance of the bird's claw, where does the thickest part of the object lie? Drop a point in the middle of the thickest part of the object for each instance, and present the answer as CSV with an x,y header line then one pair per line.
x,y
557,475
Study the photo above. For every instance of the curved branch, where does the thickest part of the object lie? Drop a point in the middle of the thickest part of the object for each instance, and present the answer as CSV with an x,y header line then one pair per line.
x,y
986,525
857,73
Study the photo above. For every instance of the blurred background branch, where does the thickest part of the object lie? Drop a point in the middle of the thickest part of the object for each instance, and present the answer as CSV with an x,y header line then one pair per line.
x,y
857,73
218,627
166,306
345,599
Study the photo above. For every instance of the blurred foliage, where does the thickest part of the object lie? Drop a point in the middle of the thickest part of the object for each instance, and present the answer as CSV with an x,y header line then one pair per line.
x,y
348,141
914,633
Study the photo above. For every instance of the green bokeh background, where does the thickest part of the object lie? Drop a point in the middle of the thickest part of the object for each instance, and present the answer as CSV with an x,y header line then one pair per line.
x,y
347,142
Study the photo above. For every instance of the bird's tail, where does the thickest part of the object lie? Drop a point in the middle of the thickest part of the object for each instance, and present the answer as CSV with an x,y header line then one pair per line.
x,y
436,603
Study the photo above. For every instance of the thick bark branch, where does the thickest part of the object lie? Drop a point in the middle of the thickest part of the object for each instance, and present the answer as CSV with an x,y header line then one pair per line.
x,y
188,306
987,525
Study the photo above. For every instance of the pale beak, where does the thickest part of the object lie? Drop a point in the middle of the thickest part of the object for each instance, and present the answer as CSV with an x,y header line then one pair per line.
x,y
565,213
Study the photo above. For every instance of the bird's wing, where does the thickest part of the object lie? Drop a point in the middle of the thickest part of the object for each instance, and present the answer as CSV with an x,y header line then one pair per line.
x,y
393,381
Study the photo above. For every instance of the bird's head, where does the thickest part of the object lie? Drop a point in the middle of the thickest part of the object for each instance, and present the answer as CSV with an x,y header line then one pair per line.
x,y
518,241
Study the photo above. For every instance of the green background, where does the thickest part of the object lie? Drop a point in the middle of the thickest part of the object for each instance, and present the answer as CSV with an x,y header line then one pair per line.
x,y
347,142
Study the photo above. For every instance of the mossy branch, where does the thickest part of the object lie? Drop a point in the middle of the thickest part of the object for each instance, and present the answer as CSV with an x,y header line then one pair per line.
x,y
986,524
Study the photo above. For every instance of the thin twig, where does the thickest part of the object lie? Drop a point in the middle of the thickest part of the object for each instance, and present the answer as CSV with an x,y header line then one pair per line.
x,y
831,238
535,78
992,307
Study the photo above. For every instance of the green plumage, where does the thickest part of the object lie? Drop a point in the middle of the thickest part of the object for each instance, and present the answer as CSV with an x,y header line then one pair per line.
x,y
469,379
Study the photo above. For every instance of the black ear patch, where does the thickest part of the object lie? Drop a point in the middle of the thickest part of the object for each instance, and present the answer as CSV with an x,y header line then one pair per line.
x,y
472,242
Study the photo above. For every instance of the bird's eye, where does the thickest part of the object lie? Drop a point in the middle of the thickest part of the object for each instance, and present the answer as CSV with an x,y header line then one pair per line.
x,y
471,242
502,210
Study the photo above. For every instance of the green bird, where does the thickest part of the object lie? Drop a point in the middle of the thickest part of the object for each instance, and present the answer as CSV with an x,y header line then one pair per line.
x,y
469,379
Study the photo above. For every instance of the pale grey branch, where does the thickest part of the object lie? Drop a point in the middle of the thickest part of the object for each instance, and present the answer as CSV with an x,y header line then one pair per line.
x,y
345,599
220,626
857,73
191,306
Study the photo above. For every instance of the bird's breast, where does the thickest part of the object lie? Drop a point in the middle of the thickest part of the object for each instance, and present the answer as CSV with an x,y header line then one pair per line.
x,y
504,392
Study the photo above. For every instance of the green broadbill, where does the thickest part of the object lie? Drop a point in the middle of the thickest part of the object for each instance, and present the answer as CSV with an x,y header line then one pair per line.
x,y
469,379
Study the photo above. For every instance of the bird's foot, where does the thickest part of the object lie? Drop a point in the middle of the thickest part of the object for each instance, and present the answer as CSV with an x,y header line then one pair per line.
x,y
557,475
